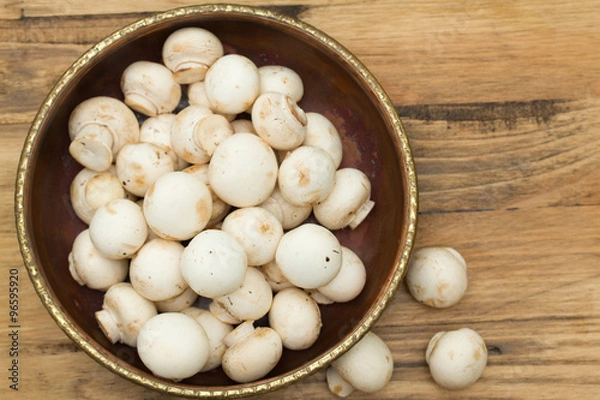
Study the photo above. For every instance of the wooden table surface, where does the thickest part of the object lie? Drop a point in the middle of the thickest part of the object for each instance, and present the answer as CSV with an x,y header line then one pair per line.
x,y
501,102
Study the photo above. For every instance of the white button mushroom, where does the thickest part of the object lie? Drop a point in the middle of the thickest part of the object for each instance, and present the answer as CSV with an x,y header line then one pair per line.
x,y
243,170
178,303
257,230
150,88
306,175
282,79
177,206
211,131
279,121
183,131
118,229
173,346
196,93
98,128
456,358
189,52
124,312
139,164
321,132
222,314
296,317
90,268
367,367
214,263
252,353
437,276
215,331
154,270
289,214
219,208
349,201
252,300
349,282
157,130
232,84
90,190
275,277
241,125
309,256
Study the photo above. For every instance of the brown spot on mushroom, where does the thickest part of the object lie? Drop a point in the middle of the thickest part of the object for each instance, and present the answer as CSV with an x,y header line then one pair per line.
x,y
203,210
337,389
477,355
304,176
441,287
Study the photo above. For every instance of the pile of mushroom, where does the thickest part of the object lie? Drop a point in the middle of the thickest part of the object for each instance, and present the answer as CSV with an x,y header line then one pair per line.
x,y
437,277
197,189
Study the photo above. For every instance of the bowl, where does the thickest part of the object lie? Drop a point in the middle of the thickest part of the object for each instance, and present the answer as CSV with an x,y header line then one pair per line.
x,y
337,85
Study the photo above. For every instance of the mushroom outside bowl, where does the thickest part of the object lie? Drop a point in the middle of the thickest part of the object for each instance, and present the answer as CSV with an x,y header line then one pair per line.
x,y
337,85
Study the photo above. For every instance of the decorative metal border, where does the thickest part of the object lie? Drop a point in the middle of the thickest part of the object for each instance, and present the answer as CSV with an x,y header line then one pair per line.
x,y
238,390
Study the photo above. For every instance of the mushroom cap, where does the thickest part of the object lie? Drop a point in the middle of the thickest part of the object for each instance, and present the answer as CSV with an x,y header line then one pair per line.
x,y
257,230
232,84
157,130
173,346
211,131
124,312
282,79
351,190
456,358
275,277
214,263
321,132
215,331
183,131
296,317
99,127
349,282
437,276
178,303
177,206
189,52
154,270
90,190
243,170
279,120
150,88
368,365
289,214
241,125
90,268
306,175
253,356
118,229
252,300
219,208
139,164
309,256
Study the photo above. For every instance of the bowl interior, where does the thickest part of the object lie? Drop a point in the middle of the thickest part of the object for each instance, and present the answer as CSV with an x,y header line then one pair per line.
x,y
332,87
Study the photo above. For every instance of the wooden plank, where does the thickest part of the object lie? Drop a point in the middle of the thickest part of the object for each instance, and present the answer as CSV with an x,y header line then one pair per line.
x,y
501,103
462,52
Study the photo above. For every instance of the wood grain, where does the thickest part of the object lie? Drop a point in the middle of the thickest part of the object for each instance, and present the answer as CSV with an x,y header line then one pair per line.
x,y
501,104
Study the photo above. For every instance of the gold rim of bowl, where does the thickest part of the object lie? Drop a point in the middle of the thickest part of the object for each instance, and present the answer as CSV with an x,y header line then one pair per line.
x,y
240,390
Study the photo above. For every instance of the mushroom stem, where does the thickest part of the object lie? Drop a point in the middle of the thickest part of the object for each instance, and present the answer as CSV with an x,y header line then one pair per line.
x,y
361,214
92,147
338,385
108,325
240,332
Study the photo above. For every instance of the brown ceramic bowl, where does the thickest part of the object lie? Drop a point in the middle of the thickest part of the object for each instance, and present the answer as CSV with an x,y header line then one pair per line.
x,y
336,84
